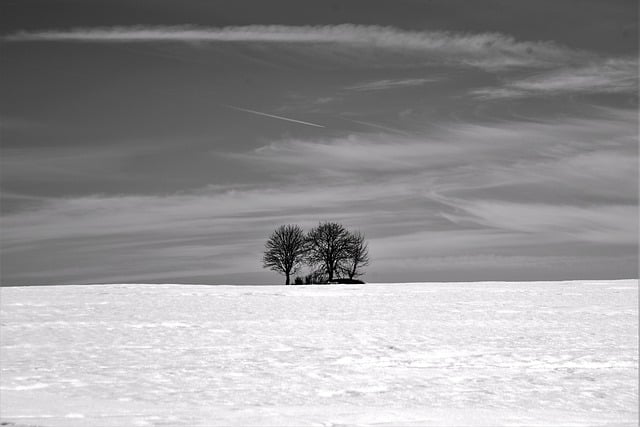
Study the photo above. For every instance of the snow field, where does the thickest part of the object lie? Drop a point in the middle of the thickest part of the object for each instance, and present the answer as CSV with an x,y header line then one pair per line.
x,y
486,353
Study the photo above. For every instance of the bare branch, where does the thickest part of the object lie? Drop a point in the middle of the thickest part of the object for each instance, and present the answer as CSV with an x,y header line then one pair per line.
x,y
329,245
285,250
358,256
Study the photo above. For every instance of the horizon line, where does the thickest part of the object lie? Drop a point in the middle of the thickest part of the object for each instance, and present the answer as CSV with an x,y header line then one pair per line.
x,y
314,284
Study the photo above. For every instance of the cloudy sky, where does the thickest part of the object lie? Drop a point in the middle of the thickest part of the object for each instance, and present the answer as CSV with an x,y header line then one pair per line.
x,y
469,140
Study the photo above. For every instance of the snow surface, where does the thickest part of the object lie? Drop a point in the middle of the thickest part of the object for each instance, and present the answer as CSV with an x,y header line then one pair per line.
x,y
490,353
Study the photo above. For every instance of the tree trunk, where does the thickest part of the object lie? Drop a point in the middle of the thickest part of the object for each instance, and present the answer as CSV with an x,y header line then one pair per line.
x,y
288,282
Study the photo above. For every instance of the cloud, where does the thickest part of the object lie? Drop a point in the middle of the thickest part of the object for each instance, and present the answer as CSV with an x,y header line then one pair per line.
x,y
483,268
354,154
602,224
475,262
486,50
208,212
564,177
478,253
204,234
613,75
466,190
390,84
516,143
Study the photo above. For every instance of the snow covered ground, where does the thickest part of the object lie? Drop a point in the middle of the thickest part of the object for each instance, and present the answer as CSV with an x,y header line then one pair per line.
x,y
543,353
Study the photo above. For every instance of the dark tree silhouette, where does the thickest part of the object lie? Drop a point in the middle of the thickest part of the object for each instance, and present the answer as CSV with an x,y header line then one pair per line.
x,y
329,245
358,256
285,250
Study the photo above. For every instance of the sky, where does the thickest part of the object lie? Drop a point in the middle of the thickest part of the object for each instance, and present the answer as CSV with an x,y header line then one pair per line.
x,y
163,141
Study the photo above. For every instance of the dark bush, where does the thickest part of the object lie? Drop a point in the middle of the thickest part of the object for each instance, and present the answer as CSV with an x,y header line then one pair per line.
x,y
347,281
299,280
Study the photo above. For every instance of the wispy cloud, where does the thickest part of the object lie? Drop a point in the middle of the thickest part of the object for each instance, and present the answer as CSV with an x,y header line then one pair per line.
x,y
458,144
352,154
210,233
391,84
486,50
466,190
602,224
591,157
211,211
570,176
619,75
221,231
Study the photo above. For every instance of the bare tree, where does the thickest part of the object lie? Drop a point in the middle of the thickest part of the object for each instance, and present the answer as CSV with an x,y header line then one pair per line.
x,y
329,245
358,256
285,250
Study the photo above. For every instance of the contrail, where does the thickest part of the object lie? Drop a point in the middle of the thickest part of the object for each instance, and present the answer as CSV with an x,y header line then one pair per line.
x,y
246,110
375,125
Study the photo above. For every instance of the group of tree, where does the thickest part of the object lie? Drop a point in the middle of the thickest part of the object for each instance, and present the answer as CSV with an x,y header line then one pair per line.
x,y
329,250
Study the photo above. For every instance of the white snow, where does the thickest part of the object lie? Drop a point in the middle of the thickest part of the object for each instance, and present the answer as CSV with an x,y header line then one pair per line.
x,y
487,353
